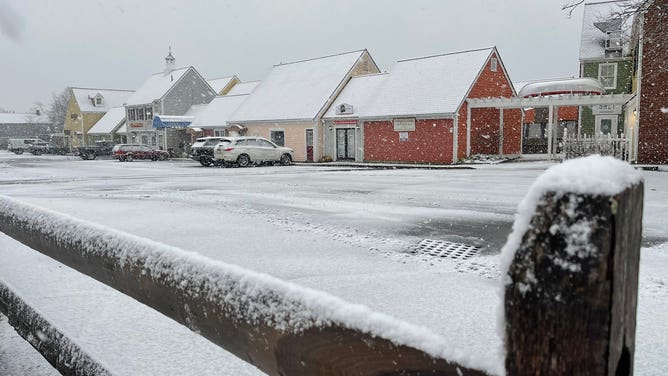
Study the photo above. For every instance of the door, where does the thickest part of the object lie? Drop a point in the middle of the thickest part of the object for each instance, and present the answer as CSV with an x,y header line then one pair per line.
x,y
606,125
345,144
309,145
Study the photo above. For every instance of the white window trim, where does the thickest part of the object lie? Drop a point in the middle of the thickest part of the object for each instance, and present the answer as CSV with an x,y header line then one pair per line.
x,y
614,79
279,130
614,122
493,66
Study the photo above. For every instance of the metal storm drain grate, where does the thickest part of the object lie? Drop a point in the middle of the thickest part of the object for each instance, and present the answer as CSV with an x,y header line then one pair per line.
x,y
439,248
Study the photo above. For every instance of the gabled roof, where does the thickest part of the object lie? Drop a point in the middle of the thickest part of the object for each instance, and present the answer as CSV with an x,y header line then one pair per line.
x,y
597,16
14,118
110,122
110,98
359,92
195,109
218,113
218,84
156,86
299,90
428,85
243,88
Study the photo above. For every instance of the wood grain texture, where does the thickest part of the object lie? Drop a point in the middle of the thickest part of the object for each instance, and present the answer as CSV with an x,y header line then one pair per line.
x,y
571,305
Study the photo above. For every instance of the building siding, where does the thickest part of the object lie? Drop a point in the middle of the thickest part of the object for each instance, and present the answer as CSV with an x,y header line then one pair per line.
x,y
624,86
652,121
191,89
431,142
295,135
485,131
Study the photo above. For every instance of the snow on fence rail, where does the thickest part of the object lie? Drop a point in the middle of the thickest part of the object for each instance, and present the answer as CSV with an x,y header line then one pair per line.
x,y
570,285
575,146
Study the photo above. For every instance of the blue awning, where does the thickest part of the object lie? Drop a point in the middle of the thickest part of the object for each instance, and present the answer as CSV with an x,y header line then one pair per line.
x,y
171,121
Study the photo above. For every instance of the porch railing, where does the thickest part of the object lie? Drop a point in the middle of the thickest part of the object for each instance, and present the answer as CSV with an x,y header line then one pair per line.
x,y
575,146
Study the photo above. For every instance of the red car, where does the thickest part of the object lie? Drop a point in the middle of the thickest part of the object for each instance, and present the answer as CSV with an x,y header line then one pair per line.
x,y
130,152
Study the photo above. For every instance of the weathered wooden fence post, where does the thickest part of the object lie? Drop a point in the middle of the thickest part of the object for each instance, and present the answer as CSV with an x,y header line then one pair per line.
x,y
571,297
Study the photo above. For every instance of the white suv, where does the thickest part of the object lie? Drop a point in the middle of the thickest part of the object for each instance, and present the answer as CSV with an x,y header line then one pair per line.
x,y
246,150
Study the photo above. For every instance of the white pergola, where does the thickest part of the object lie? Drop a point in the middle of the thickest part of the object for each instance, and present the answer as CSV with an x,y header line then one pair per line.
x,y
552,102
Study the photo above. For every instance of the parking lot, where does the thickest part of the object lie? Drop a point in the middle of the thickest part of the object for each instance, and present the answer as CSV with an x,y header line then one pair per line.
x,y
352,232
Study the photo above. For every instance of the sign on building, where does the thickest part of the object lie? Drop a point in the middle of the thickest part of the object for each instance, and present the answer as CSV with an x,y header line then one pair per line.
x,y
404,125
605,109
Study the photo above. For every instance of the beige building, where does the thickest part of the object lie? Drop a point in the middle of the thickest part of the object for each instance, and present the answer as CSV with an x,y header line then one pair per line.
x,y
287,107
86,107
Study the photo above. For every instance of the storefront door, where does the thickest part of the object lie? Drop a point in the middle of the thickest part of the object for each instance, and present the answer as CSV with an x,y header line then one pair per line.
x,y
345,144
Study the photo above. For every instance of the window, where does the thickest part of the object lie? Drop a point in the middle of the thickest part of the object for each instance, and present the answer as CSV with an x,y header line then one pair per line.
x,y
492,64
140,114
144,139
131,114
149,114
278,137
607,75
264,144
98,101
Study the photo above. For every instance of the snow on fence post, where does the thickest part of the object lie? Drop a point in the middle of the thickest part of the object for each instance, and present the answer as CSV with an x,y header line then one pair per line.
x,y
572,271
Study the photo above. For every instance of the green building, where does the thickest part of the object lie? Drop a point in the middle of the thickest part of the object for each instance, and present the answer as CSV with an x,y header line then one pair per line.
x,y
605,55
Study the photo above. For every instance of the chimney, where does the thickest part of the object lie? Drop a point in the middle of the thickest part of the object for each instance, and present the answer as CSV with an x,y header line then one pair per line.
x,y
38,112
170,62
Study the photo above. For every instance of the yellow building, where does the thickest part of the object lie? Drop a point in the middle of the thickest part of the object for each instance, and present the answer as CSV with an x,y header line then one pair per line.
x,y
223,85
85,107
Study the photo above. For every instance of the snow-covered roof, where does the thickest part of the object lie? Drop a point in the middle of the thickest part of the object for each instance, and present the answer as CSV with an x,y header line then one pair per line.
x,y
195,110
217,113
156,86
428,85
592,41
14,118
297,91
243,88
85,98
218,84
109,122
359,91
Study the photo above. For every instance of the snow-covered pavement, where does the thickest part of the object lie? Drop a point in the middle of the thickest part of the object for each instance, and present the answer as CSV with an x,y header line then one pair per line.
x,y
345,231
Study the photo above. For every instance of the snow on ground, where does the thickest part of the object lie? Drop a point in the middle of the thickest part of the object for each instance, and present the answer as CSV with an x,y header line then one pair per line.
x,y
345,231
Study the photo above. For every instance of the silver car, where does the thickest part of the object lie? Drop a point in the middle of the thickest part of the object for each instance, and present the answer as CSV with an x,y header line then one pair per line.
x,y
246,150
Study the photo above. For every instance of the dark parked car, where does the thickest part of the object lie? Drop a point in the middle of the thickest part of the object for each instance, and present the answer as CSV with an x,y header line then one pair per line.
x,y
38,148
100,148
202,151
130,152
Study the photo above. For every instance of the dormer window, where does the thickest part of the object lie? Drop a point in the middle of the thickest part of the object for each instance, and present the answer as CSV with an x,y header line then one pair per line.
x,y
97,100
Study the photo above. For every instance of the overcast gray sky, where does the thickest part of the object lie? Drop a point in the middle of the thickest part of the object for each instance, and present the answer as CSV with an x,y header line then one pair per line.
x,y
46,45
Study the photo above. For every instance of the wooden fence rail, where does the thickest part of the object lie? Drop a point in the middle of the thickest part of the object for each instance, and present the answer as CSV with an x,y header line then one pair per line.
x,y
570,305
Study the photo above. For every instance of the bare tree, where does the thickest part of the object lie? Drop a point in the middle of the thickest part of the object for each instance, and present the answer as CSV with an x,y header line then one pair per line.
x,y
58,108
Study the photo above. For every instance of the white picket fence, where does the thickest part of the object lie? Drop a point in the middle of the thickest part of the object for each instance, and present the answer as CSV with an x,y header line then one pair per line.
x,y
579,146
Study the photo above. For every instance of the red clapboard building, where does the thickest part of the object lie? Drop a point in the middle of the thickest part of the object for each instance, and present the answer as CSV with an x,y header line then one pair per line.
x,y
417,112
